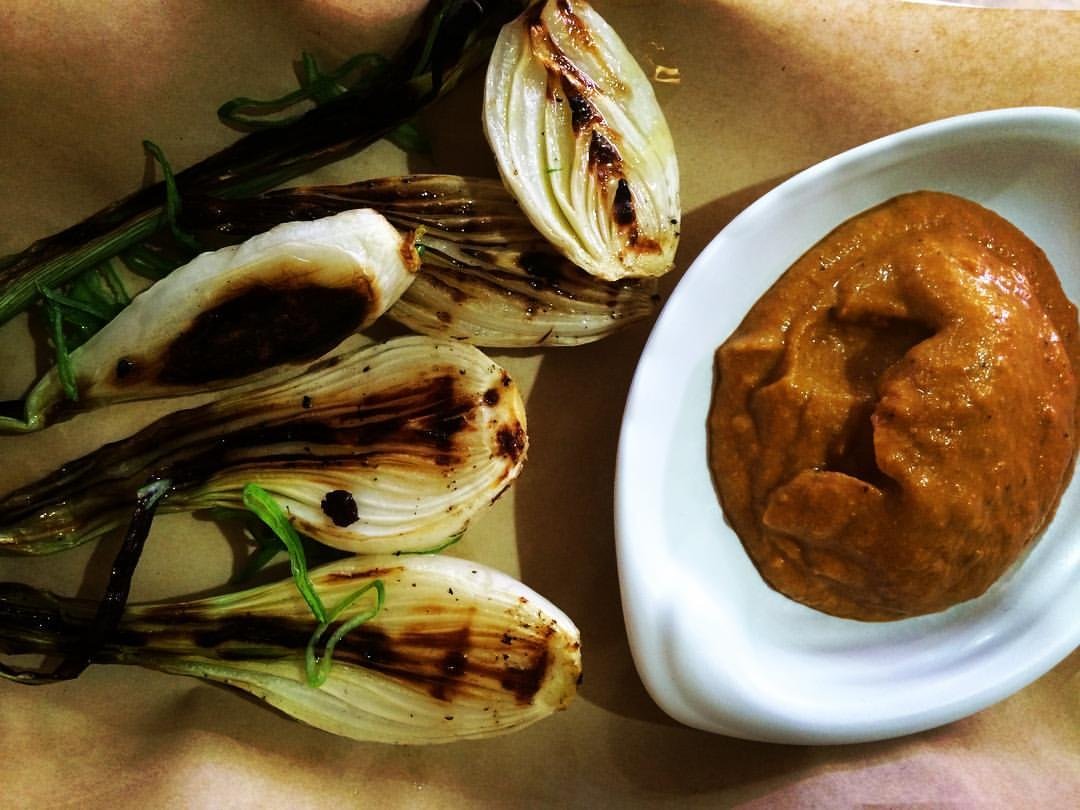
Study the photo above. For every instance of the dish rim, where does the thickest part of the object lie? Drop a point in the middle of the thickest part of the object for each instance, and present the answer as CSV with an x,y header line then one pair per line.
x,y
689,701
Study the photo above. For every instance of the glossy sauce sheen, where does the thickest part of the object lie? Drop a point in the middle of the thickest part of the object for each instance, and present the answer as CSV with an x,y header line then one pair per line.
x,y
895,419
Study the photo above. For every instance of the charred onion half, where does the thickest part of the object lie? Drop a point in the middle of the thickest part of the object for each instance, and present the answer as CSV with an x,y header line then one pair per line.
x,y
581,142
454,651
282,297
392,447
488,277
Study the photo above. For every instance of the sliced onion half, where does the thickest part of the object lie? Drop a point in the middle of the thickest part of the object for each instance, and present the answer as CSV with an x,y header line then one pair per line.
x,y
581,142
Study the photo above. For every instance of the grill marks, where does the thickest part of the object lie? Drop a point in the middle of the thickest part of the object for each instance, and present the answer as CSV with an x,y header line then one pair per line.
x,y
440,658
260,328
582,112
521,295
431,419
456,205
252,330
479,246
423,420
340,506
427,420
512,441
475,207
622,208
532,278
567,82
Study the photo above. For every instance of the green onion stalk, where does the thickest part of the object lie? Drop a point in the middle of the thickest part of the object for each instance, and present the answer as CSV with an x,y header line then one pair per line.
x,y
97,626
454,37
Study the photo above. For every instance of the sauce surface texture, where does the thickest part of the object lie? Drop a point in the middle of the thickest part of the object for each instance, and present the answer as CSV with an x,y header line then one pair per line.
x,y
895,419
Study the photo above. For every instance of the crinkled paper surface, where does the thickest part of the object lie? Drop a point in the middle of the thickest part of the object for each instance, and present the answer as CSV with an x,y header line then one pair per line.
x,y
764,88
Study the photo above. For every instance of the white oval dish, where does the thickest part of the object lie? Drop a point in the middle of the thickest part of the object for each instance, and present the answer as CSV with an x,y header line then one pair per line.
x,y
717,648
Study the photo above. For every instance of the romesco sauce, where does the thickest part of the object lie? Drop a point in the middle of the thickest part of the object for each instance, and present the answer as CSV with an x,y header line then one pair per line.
x,y
894,421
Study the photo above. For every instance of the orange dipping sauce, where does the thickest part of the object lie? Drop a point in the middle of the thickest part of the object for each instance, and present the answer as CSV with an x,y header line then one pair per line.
x,y
895,420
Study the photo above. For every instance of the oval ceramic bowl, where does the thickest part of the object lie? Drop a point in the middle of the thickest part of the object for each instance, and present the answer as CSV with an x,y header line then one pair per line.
x,y
716,647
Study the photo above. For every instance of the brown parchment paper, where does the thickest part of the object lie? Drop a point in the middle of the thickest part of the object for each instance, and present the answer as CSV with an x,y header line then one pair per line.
x,y
766,88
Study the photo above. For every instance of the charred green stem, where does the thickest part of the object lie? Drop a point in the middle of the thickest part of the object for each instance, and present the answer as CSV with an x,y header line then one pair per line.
x,y
265,158
78,654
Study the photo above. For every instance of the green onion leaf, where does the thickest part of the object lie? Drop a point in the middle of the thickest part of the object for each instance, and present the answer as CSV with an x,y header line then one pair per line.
x,y
80,650
116,286
436,549
251,114
63,359
376,102
92,299
71,303
266,548
259,501
409,138
102,288
318,87
318,667
429,42
172,197
118,587
150,263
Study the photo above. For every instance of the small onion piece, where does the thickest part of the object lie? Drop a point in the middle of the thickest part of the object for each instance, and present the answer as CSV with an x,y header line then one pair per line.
x,y
282,297
393,447
581,142
516,297
489,278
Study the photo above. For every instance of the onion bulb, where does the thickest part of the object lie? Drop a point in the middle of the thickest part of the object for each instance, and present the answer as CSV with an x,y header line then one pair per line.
x,y
581,142
283,297
455,651
393,447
